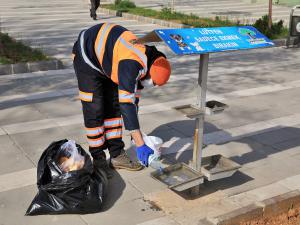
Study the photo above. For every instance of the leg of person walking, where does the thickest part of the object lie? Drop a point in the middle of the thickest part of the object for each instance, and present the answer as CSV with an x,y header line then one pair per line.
x,y
94,6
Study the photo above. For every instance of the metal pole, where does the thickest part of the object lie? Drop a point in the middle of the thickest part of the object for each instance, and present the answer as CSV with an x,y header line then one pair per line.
x,y
201,103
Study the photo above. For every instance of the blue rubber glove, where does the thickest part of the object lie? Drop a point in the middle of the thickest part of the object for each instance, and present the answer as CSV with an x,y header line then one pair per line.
x,y
143,152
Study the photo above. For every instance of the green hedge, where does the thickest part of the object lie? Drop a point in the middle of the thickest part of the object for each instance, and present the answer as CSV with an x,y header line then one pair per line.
x,y
277,29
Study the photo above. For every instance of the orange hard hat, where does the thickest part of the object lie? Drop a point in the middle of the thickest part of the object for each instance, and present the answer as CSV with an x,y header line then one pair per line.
x,y
160,71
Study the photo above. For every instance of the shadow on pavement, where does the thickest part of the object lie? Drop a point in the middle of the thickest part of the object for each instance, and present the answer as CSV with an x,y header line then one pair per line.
x,y
262,144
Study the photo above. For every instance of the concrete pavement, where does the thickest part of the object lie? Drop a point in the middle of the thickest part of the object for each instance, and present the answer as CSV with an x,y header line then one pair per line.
x,y
53,27
260,130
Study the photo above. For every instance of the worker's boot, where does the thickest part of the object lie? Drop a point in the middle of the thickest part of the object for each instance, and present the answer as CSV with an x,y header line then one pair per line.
x,y
101,165
123,161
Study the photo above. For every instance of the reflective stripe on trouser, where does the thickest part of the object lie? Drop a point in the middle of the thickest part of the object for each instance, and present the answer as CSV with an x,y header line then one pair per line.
x,y
85,96
95,136
113,122
113,133
94,143
96,131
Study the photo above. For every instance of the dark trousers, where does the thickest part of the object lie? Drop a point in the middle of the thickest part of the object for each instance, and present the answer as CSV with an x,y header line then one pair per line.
x,y
101,110
94,6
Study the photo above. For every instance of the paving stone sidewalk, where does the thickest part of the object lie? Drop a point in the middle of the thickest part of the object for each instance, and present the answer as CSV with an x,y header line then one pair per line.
x,y
260,130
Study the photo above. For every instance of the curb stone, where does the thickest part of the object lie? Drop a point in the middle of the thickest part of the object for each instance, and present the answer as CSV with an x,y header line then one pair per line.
x,y
240,215
30,67
281,203
278,42
266,208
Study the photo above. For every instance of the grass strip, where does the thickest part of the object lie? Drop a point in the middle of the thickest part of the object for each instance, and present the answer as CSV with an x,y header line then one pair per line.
x,y
167,14
12,51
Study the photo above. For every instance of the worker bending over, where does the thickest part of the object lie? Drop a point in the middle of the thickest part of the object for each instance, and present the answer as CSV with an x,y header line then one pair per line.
x,y
112,69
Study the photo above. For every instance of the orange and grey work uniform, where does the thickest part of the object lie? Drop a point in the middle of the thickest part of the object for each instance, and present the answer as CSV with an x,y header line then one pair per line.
x,y
108,68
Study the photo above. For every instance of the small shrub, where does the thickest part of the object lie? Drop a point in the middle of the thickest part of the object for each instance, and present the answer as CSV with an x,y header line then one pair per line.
x,y
262,25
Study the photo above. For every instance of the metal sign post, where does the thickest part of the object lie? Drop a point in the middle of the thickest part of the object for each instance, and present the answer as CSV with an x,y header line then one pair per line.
x,y
201,103
202,41
199,129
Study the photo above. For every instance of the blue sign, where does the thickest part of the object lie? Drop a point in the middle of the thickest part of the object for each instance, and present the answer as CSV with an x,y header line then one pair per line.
x,y
218,39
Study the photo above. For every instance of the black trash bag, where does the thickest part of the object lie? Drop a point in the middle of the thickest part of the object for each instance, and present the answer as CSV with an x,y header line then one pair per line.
x,y
80,191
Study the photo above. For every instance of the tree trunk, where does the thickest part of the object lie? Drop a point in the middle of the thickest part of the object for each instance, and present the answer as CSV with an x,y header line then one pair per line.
x,y
270,14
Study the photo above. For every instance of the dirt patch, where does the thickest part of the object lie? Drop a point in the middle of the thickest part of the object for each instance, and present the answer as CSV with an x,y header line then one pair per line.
x,y
292,217
153,205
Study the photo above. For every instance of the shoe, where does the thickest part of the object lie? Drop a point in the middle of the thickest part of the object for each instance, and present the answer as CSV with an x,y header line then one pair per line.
x,y
123,161
100,165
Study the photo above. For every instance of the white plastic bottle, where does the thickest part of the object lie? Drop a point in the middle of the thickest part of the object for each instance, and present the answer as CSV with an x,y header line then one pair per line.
x,y
154,162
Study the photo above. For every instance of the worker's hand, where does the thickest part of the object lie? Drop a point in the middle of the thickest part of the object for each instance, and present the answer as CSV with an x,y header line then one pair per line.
x,y
143,152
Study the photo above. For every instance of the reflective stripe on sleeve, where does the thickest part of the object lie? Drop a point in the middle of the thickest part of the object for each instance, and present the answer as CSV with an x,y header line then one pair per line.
x,y
115,122
126,97
114,133
85,96
96,142
94,131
